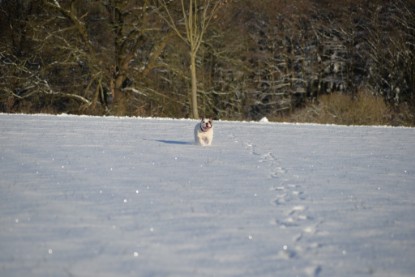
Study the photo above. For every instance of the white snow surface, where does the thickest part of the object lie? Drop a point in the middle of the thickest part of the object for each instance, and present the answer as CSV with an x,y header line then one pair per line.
x,y
106,196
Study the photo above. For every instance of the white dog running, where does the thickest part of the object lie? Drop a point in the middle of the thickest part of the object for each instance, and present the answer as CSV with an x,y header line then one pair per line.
x,y
204,132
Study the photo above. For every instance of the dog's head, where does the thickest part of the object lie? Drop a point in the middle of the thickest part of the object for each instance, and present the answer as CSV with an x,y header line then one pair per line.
x,y
206,124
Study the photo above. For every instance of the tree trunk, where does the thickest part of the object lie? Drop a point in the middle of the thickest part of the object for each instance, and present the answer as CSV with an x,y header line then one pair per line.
x,y
119,76
118,98
195,111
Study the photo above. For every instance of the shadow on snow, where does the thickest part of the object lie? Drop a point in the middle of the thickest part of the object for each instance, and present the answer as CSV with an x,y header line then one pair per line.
x,y
175,142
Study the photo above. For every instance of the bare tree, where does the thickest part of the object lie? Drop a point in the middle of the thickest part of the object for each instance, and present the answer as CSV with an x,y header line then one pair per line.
x,y
391,44
127,29
197,17
28,84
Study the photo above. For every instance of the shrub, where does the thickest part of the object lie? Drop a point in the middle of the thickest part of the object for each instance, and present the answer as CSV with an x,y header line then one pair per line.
x,y
337,108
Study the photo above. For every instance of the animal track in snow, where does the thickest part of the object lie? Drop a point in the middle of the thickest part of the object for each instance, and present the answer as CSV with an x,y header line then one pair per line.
x,y
287,193
294,217
293,214
276,169
313,271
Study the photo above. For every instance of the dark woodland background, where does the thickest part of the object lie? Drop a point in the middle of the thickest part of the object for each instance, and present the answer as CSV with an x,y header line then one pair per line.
x,y
327,61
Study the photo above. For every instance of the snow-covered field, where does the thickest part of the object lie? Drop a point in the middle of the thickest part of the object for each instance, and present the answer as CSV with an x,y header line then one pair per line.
x,y
94,196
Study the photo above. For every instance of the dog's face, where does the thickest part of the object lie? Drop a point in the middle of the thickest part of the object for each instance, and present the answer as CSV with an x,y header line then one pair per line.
x,y
206,124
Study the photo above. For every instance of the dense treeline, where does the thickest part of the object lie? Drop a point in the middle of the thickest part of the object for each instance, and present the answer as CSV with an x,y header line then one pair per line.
x,y
256,58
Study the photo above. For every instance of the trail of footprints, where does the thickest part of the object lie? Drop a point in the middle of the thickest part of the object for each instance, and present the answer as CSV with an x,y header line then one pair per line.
x,y
293,214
